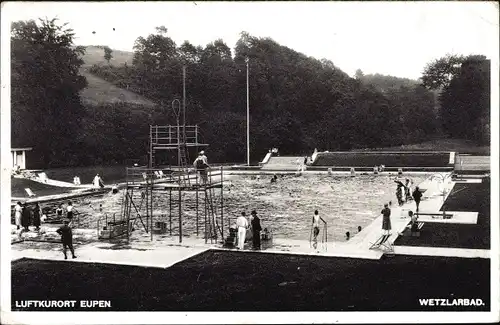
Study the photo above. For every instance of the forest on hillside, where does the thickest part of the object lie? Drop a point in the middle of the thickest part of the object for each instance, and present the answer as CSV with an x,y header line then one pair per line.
x,y
297,103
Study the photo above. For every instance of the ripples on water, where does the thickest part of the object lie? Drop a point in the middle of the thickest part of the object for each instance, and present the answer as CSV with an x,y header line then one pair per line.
x,y
286,206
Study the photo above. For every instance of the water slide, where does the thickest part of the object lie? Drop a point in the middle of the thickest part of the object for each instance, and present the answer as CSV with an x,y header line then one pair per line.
x,y
289,163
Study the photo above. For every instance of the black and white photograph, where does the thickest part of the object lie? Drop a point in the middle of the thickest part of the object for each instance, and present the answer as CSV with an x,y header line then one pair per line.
x,y
249,162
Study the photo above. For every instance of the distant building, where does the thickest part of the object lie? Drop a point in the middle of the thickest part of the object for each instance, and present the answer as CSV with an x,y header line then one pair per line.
x,y
19,157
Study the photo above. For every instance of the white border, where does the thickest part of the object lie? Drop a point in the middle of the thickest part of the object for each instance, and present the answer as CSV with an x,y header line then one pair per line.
x,y
5,164
494,161
229,317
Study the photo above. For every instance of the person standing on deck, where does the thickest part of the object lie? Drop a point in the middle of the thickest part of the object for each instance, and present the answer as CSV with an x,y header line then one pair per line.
x,y
70,211
242,224
66,238
417,196
26,217
386,223
201,166
37,212
408,196
399,194
59,212
256,228
97,182
315,225
18,209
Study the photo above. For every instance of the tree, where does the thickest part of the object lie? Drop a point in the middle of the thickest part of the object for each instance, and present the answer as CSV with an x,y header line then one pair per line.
x,y
465,102
439,73
189,53
155,51
46,106
359,74
108,53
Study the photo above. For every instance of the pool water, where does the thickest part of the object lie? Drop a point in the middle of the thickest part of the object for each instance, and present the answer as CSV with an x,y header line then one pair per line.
x,y
286,206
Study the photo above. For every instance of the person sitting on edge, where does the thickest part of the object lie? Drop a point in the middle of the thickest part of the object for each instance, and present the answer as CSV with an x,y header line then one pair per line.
x,y
413,221
347,235
242,224
417,196
359,228
266,234
66,238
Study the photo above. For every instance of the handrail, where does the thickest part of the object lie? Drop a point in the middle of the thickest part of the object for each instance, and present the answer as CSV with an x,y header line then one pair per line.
x,y
325,231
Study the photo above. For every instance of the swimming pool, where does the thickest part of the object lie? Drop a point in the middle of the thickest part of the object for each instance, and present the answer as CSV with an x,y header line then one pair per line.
x,y
286,206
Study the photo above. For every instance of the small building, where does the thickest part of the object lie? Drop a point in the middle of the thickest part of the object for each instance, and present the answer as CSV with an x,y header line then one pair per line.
x,y
19,157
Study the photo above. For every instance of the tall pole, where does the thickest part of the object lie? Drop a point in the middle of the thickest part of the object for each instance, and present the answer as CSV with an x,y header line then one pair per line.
x,y
184,100
248,119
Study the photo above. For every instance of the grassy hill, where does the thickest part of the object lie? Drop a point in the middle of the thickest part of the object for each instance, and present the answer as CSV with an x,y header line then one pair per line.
x,y
95,55
100,91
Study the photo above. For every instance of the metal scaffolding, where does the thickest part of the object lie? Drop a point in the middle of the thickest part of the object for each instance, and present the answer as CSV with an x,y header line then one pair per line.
x,y
148,187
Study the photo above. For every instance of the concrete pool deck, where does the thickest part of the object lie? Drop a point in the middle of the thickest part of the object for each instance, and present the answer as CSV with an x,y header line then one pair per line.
x,y
165,251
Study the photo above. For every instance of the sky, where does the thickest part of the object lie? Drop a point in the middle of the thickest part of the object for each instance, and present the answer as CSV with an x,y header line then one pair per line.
x,y
391,38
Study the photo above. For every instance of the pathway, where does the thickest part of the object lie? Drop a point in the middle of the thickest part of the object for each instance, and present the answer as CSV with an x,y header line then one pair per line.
x,y
151,255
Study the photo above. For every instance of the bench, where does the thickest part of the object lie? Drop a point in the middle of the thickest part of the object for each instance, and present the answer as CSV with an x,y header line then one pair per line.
x,y
383,241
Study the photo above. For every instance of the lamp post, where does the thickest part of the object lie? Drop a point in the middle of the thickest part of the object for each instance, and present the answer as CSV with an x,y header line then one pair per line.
x,y
248,119
184,103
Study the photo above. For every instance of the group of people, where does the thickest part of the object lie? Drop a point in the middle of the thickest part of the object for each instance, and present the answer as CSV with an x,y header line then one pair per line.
x,y
243,225
404,193
25,216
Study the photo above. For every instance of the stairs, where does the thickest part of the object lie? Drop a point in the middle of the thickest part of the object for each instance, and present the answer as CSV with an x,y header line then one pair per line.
x,y
184,169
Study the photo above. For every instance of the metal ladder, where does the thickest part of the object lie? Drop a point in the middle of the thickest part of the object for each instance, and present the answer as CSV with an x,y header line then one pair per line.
x,y
214,228
184,167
